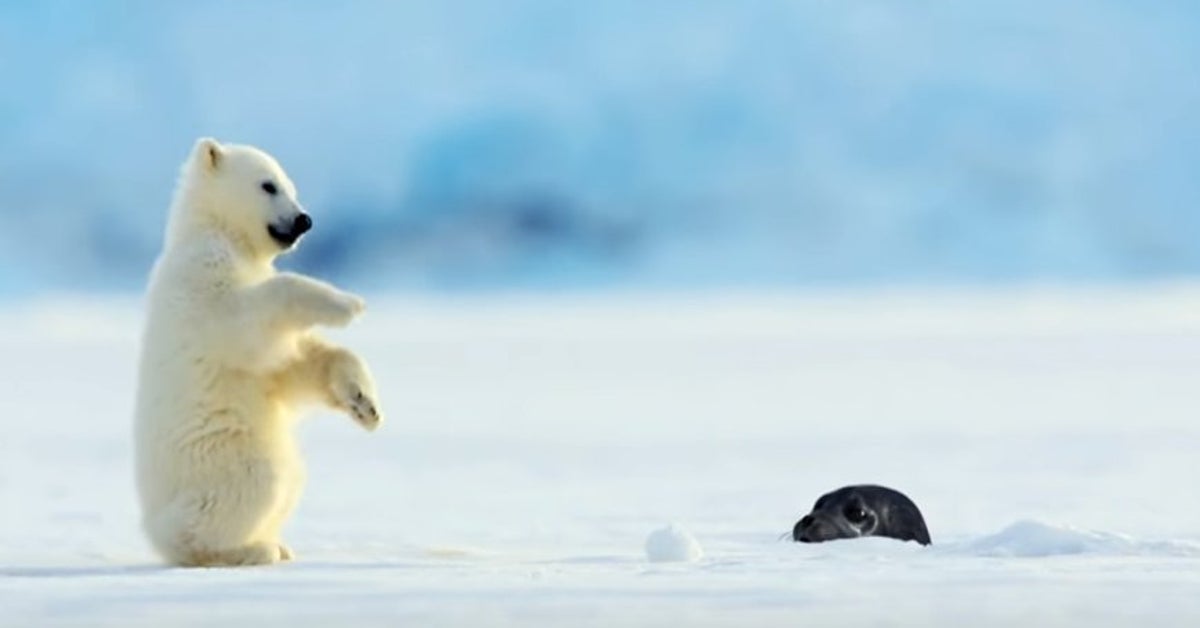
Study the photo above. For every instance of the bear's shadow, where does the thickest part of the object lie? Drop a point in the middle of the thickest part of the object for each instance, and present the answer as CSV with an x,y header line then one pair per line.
x,y
97,571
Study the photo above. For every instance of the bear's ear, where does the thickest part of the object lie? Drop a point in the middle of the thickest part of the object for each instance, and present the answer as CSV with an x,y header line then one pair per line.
x,y
208,153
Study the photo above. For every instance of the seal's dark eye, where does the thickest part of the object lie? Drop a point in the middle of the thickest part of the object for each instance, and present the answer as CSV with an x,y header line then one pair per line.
x,y
854,513
269,188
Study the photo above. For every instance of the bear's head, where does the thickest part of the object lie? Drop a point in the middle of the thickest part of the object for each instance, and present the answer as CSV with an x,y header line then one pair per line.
x,y
244,192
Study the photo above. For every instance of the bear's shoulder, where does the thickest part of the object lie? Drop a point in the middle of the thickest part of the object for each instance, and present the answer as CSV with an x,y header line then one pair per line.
x,y
204,261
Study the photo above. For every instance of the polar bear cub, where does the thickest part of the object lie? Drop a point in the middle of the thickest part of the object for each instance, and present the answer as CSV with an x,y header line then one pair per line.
x,y
229,358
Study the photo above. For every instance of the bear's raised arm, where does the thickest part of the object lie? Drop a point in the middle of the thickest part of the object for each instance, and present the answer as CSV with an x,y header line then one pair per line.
x,y
291,301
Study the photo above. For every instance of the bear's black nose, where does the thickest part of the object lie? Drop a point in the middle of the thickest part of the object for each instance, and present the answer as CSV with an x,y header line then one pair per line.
x,y
301,225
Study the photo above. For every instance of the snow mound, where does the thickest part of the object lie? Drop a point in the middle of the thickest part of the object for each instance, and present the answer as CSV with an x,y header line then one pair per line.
x,y
672,544
1035,539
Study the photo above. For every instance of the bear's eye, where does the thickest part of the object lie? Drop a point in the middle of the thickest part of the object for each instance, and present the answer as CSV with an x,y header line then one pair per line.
x,y
269,188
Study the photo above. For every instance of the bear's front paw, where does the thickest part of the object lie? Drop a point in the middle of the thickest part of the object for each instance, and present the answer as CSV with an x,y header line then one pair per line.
x,y
354,391
362,408
342,308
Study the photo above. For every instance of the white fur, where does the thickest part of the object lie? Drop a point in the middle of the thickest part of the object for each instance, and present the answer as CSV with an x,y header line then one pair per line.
x,y
228,359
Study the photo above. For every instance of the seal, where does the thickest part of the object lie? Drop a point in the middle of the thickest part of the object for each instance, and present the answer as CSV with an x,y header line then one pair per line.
x,y
862,510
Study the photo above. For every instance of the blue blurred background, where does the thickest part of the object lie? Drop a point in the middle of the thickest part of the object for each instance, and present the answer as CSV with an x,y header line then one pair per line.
x,y
540,144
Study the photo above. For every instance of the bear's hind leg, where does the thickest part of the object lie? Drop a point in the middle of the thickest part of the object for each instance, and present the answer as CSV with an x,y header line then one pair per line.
x,y
195,546
262,553
289,496
221,527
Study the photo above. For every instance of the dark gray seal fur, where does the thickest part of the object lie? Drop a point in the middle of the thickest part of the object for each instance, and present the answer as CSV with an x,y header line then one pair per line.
x,y
862,510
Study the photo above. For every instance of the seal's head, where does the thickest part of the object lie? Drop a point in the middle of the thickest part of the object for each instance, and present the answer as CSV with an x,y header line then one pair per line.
x,y
862,510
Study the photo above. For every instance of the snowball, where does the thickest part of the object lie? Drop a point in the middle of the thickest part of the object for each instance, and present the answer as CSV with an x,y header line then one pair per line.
x,y
672,544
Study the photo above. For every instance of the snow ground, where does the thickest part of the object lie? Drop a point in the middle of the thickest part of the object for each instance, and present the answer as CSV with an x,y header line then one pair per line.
x,y
533,444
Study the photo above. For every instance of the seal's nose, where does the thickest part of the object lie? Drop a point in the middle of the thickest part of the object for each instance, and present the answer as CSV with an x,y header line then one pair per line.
x,y
302,224
799,532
